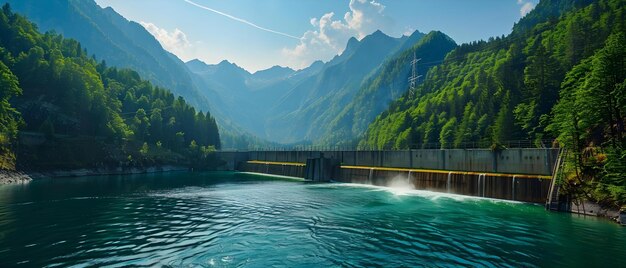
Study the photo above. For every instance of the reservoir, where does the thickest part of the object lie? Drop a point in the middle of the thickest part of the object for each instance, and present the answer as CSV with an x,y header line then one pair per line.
x,y
223,219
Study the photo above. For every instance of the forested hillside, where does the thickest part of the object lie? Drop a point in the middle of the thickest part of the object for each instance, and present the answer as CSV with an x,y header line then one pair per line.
x,y
566,52
127,44
307,109
122,43
73,112
382,88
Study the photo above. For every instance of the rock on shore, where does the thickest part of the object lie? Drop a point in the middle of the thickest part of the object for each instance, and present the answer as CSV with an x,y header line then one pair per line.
x,y
12,177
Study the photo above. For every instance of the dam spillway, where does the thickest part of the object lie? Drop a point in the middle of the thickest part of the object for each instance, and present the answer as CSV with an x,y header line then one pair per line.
x,y
511,174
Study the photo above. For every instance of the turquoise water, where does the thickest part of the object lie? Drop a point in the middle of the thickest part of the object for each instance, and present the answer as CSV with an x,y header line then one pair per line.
x,y
243,220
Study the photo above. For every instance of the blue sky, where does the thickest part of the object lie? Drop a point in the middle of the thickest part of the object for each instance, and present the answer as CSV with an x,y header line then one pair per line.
x,y
259,34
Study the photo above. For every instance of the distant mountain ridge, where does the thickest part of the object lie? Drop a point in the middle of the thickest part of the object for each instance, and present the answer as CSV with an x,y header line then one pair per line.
x,y
275,72
244,96
278,104
126,44
289,106
315,102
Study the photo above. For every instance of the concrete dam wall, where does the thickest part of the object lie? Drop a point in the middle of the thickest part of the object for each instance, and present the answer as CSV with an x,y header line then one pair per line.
x,y
513,174
513,161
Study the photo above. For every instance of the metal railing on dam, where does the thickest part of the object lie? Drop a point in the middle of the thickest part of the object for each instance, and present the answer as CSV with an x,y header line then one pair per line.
x,y
513,174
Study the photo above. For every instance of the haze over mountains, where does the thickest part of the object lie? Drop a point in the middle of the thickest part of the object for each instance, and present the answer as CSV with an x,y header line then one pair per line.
x,y
288,106
126,44
279,104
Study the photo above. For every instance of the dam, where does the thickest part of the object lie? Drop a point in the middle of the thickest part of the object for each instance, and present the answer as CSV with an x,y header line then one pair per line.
x,y
521,174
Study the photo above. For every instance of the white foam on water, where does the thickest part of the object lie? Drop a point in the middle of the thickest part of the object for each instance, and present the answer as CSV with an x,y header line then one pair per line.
x,y
273,176
399,185
404,190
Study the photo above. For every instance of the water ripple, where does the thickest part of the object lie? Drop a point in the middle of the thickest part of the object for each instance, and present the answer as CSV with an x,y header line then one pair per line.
x,y
240,222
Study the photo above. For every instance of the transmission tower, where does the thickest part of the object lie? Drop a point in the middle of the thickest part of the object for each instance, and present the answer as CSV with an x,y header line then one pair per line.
x,y
414,77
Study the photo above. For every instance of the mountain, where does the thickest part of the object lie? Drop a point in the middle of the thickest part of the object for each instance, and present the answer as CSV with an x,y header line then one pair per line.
x,y
490,92
111,37
247,98
74,112
558,79
126,44
271,104
386,85
305,112
273,73
290,106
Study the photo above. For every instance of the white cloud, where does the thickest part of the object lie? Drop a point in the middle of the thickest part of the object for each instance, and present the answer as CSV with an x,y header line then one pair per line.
x,y
526,7
175,42
330,35
366,16
408,31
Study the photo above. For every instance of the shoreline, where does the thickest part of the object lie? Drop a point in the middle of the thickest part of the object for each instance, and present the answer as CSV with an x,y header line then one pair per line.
x,y
103,172
22,177
592,209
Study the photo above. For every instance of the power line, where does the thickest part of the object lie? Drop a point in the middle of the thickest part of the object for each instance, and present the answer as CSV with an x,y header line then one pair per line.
x,y
414,76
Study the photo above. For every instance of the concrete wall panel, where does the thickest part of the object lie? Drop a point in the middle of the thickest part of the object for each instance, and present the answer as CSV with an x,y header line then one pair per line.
x,y
428,159
527,161
399,159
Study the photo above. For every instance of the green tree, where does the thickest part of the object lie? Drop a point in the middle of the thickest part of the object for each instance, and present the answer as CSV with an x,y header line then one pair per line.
x,y
447,133
9,117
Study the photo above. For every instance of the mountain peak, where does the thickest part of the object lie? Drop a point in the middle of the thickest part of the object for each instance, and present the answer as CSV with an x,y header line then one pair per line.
x,y
273,72
275,69
416,33
196,62
352,42
196,65
317,63
411,40
378,32
432,35
377,36
232,67
278,67
226,62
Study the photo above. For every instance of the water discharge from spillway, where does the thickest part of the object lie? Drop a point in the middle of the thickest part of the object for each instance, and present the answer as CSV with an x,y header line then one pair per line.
x,y
400,185
513,182
448,183
408,177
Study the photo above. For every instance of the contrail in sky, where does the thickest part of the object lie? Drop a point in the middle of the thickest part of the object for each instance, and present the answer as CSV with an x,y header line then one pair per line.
x,y
241,20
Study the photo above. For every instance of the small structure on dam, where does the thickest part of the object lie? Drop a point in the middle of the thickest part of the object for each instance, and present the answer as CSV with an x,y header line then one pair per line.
x,y
512,174
321,169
